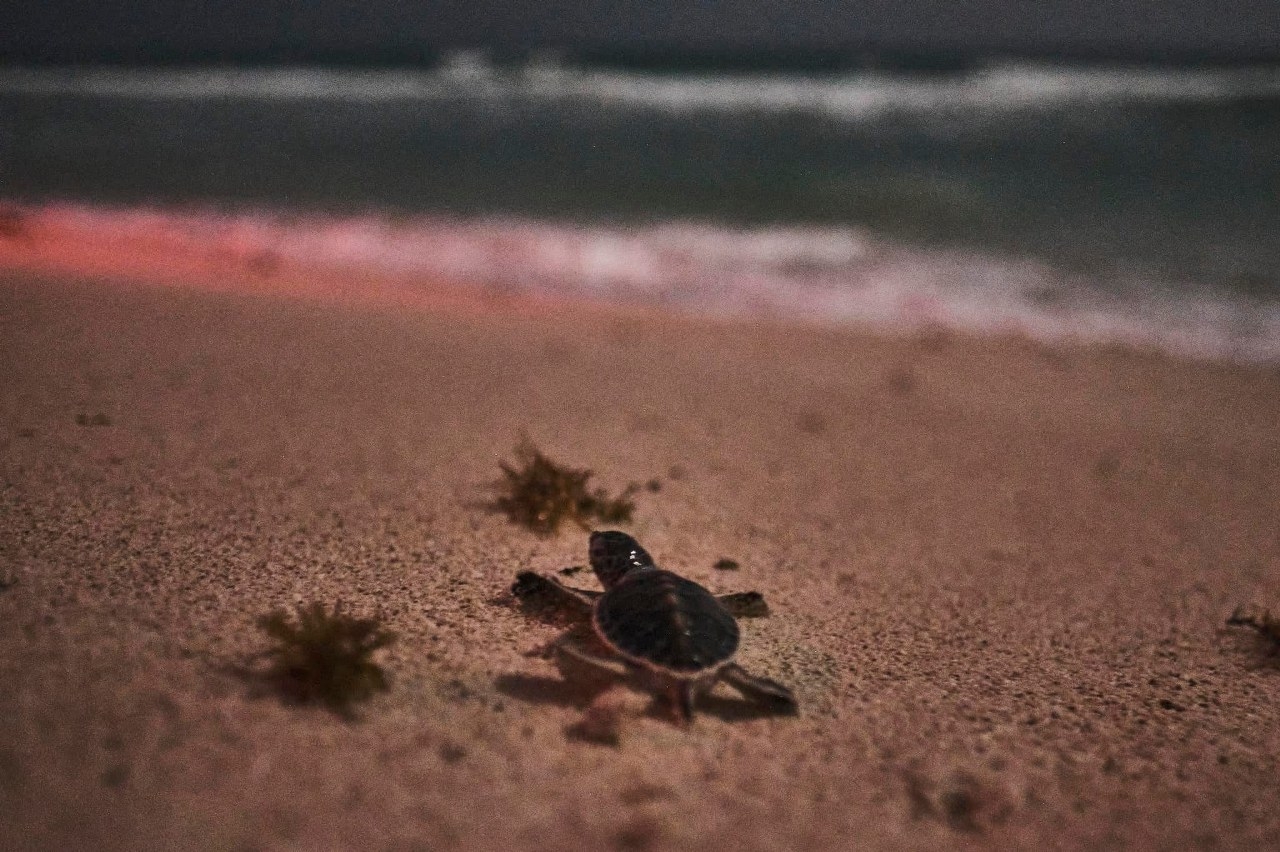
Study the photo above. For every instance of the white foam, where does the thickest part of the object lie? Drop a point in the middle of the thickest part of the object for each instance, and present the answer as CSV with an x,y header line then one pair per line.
x,y
849,96
830,275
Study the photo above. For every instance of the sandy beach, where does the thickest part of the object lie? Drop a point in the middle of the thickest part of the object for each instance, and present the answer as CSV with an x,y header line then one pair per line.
x,y
998,574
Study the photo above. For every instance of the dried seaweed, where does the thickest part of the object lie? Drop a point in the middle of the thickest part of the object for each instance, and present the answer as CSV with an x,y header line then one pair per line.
x,y
541,494
13,223
1265,624
325,658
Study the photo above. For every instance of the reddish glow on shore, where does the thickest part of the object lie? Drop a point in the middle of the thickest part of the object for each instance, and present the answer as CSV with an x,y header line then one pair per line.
x,y
210,252
828,276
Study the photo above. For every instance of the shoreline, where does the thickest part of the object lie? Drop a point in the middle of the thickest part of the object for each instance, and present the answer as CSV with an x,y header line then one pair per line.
x,y
831,279
999,576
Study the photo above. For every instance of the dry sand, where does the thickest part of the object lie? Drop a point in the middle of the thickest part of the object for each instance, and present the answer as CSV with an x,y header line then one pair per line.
x,y
998,575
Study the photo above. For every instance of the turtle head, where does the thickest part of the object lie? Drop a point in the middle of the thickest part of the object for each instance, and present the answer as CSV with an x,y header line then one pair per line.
x,y
615,554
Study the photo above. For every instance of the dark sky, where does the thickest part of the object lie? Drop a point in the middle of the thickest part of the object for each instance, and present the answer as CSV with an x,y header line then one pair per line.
x,y
88,29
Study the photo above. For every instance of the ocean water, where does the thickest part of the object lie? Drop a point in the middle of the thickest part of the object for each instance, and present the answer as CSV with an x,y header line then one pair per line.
x,y
1089,203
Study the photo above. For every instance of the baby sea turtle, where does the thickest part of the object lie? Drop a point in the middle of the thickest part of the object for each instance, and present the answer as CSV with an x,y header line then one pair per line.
x,y
658,622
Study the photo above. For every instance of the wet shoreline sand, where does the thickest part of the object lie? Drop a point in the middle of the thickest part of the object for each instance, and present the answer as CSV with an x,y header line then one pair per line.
x,y
998,573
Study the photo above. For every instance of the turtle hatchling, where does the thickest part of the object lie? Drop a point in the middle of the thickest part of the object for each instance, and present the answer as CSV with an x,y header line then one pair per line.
x,y
658,622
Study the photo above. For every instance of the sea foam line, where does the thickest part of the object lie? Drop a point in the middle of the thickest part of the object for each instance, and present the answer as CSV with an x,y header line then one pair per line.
x,y
847,96
826,275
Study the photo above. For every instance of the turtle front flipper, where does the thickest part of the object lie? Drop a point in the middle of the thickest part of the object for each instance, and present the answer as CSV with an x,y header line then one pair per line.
x,y
531,588
768,693
744,604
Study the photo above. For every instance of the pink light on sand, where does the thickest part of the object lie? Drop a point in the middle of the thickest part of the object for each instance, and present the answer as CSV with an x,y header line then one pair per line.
x,y
213,251
836,276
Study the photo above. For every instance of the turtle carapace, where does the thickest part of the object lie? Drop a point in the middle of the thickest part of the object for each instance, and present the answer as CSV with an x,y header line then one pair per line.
x,y
661,623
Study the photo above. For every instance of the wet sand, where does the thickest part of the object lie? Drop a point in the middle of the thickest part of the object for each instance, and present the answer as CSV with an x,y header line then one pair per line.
x,y
998,575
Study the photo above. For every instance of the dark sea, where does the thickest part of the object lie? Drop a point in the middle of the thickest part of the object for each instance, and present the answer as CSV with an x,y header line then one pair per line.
x,y
1094,203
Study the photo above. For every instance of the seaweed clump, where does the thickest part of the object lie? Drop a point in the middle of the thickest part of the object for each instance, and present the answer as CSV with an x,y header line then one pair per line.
x,y
542,495
1265,624
13,222
325,658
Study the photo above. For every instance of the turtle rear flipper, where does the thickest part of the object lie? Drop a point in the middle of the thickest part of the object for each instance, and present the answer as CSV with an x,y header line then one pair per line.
x,y
683,693
768,693
569,646
534,588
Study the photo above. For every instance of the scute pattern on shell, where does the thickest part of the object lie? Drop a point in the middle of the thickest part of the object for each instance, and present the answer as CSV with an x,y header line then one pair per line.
x,y
661,618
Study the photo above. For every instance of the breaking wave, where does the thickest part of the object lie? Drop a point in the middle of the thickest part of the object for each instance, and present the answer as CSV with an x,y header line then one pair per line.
x,y
827,275
849,96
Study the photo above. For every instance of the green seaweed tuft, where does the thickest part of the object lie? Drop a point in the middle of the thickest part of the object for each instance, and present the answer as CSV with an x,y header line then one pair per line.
x,y
542,495
325,658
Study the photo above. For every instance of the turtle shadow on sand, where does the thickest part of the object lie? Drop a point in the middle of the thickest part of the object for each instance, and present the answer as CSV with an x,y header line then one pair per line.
x,y
580,686
649,628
